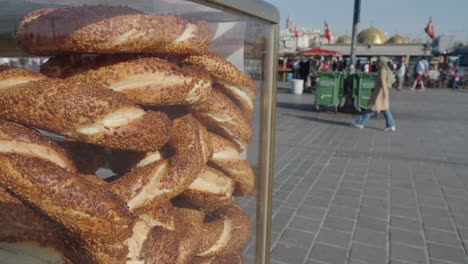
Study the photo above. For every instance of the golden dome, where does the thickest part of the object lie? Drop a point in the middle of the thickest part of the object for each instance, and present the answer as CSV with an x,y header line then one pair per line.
x,y
371,35
344,40
397,39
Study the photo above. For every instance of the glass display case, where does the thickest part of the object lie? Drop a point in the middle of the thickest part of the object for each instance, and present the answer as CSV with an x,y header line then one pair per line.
x,y
222,46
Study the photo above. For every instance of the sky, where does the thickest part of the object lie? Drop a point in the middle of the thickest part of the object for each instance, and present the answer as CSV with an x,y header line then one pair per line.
x,y
407,18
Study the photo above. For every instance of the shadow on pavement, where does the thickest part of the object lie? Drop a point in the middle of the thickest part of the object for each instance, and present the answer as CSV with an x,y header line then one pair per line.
x,y
325,121
297,106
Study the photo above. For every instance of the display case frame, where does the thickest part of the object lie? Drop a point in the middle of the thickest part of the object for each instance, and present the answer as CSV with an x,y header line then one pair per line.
x,y
267,14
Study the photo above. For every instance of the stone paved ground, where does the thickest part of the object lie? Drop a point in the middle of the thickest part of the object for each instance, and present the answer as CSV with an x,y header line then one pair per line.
x,y
357,196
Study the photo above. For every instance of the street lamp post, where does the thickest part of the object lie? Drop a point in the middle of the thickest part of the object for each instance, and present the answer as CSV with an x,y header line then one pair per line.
x,y
357,11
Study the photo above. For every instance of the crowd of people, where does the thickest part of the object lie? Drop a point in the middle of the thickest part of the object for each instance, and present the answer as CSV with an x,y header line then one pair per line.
x,y
442,75
419,77
30,63
306,68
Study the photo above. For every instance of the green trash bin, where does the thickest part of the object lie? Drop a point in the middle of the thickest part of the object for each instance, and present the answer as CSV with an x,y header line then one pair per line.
x,y
328,90
362,92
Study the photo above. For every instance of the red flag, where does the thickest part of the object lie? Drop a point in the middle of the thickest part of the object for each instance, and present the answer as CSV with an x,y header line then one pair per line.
x,y
327,32
295,32
430,28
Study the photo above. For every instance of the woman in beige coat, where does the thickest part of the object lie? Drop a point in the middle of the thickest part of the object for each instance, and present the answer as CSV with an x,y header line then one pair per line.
x,y
379,100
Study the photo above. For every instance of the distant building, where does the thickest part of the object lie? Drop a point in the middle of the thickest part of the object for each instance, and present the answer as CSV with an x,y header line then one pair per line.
x,y
306,37
371,42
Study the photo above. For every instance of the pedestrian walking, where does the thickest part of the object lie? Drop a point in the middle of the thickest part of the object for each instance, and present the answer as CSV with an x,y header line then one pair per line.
x,y
401,72
420,72
380,99
456,79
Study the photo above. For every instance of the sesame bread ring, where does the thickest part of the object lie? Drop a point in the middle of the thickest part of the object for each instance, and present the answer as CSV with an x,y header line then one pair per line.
x,y
227,159
230,258
15,138
225,231
109,29
221,116
145,80
91,214
163,180
82,112
240,99
205,140
176,241
11,76
96,224
211,190
25,234
231,81
122,162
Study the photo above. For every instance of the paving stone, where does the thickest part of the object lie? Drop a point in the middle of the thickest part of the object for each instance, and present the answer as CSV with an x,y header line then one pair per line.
x,y
374,202
406,237
311,211
334,237
405,212
371,237
343,212
454,254
368,253
357,261
338,223
463,233
311,261
306,224
326,185
398,173
288,253
281,219
461,220
281,195
442,237
297,238
404,187
287,187
322,193
274,236
376,192
434,201
438,223
317,201
405,223
372,223
327,254
354,193
276,204
351,202
375,212
439,261
408,253
465,245
428,211
294,200
393,261
350,184
271,261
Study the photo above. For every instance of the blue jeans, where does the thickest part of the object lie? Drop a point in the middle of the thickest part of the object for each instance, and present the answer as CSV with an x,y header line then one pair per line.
x,y
455,84
362,120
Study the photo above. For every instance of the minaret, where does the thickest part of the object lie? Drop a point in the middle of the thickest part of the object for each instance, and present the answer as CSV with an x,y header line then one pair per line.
x,y
289,24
